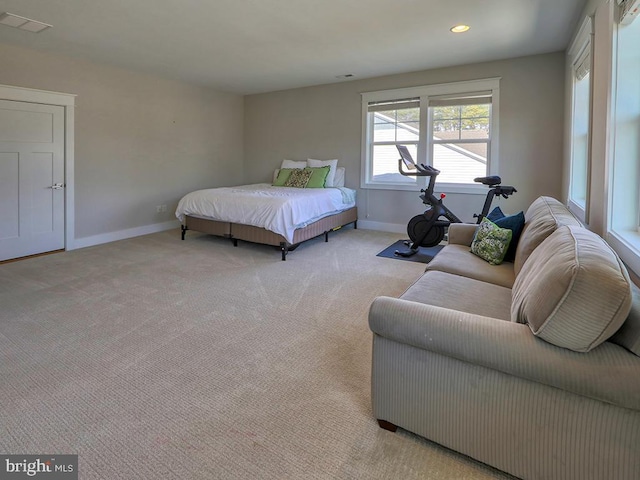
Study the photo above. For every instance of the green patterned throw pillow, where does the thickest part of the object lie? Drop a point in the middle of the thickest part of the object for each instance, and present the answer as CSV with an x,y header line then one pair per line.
x,y
298,178
283,176
491,242
318,176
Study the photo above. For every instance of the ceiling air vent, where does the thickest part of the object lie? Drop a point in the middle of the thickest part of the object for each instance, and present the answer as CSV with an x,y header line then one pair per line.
x,y
22,23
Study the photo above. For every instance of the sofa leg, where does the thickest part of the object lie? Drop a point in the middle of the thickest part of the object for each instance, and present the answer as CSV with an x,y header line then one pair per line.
x,y
387,425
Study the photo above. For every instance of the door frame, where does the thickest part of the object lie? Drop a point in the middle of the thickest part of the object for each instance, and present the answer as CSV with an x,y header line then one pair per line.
x,y
67,101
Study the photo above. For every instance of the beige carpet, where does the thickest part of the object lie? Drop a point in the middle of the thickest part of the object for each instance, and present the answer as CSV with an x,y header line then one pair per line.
x,y
155,358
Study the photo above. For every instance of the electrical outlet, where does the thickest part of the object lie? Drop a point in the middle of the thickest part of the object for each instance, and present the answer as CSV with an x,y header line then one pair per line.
x,y
163,208
158,208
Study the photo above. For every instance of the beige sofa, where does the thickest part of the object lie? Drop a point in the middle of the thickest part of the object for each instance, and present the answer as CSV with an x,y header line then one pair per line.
x,y
532,367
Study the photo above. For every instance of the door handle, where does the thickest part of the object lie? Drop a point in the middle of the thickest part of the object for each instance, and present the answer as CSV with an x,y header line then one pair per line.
x,y
57,186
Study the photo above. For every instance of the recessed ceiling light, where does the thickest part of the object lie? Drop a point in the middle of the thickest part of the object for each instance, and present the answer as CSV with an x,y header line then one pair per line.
x,y
23,23
460,28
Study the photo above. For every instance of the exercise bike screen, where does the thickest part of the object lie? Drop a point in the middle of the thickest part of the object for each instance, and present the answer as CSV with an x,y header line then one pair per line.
x,y
406,157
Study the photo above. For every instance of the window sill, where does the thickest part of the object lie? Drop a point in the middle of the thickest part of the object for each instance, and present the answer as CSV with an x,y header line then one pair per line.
x,y
626,243
447,188
408,187
578,210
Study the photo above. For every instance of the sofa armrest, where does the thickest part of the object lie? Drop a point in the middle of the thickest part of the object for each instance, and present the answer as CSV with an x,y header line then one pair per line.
x,y
607,373
461,233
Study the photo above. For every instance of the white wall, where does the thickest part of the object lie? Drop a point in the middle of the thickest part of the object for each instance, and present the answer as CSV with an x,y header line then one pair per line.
x,y
325,122
140,141
143,141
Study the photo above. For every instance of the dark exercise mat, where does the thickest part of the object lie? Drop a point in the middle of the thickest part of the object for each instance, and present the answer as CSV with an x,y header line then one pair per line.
x,y
424,255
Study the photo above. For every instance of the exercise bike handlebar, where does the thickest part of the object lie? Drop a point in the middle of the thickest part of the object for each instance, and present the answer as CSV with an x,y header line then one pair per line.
x,y
503,190
421,170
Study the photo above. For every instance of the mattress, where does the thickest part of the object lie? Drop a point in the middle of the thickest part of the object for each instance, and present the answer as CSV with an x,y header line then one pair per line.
x,y
281,210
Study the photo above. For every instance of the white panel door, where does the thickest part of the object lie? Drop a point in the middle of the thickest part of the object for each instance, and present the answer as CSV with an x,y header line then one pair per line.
x,y
31,178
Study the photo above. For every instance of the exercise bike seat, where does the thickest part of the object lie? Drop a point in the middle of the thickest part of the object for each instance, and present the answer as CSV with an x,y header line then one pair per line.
x,y
491,180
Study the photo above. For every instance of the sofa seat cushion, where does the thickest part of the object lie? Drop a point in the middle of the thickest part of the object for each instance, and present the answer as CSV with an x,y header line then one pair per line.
x,y
459,260
542,218
573,291
608,373
446,290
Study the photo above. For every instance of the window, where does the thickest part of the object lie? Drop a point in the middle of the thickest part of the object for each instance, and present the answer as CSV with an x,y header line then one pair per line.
x,y
460,137
580,53
393,123
624,189
452,127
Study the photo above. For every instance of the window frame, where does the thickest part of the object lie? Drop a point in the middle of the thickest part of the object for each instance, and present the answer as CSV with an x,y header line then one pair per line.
x,y
410,182
431,142
581,51
425,141
625,239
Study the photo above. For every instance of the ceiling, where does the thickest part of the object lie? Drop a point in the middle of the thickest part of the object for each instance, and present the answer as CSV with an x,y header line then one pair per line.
x,y
252,46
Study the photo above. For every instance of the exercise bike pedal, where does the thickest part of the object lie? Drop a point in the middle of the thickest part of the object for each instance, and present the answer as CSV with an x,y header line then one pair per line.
x,y
405,254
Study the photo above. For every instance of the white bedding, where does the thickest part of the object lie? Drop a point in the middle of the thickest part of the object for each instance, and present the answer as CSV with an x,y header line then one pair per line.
x,y
279,209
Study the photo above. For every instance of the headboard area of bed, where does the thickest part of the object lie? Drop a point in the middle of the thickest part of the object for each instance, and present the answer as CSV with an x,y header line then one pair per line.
x,y
337,182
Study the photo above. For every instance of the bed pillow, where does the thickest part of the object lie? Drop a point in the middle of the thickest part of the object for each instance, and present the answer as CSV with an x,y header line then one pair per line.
x,y
491,242
318,176
333,164
283,176
293,164
299,178
338,181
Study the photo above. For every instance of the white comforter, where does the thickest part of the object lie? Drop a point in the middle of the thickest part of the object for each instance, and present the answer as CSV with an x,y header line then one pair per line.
x,y
279,209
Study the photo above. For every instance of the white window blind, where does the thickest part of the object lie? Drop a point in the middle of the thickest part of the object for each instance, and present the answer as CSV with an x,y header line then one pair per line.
x,y
456,100
582,66
394,105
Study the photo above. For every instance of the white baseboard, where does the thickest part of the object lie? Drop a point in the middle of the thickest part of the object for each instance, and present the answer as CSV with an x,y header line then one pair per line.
x,y
121,234
160,227
383,227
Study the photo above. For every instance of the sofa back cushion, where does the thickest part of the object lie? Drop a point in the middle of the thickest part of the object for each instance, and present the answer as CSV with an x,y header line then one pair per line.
x,y
542,218
629,334
573,291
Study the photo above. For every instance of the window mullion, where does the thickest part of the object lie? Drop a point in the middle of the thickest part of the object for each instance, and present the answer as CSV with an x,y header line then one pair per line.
x,y
426,124
463,140
398,142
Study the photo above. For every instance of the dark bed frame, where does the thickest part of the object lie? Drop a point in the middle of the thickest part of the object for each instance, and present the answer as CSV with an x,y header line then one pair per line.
x,y
238,231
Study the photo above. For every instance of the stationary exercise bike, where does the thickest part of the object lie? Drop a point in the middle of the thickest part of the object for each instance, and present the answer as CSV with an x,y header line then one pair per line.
x,y
428,228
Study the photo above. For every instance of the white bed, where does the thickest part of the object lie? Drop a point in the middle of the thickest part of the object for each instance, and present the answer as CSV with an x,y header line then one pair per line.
x,y
262,213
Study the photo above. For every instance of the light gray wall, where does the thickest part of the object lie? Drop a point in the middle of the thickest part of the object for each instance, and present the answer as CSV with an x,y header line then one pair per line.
x,y
140,141
325,122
